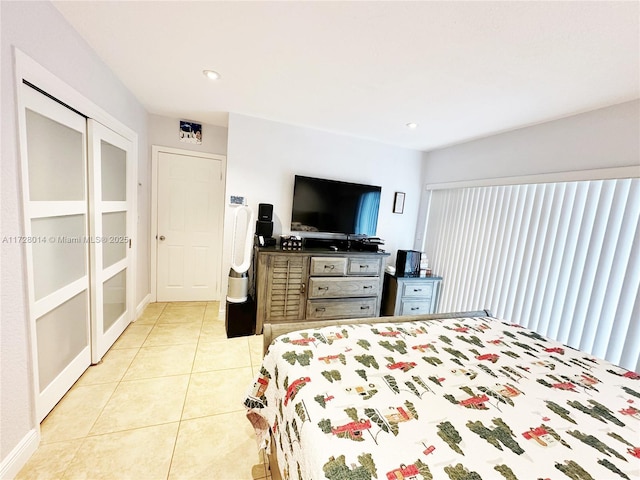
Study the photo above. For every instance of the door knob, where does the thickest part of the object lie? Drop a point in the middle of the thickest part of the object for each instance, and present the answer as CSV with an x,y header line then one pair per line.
x,y
162,237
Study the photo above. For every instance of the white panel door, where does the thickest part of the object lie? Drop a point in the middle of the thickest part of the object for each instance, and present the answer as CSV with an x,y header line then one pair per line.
x,y
111,194
53,151
189,242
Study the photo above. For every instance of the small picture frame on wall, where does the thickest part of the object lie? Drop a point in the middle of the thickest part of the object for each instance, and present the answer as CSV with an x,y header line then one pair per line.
x,y
190,132
398,203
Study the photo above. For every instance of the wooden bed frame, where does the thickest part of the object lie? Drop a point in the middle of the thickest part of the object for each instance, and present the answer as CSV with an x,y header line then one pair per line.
x,y
273,330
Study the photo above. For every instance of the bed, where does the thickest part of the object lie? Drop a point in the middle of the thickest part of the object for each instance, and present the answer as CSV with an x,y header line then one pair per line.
x,y
458,396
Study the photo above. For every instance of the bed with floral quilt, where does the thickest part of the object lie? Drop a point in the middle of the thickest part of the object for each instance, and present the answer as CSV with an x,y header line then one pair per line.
x,y
465,398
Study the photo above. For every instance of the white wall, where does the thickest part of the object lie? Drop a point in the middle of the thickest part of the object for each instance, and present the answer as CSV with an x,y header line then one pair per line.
x,y
163,131
603,138
39,30
264,156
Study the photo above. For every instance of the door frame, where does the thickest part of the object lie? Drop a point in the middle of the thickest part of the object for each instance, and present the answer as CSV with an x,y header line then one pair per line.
x,y
28,70
156,150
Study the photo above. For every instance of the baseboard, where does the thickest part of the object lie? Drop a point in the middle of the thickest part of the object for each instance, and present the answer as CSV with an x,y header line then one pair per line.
x,y
13,463
143,304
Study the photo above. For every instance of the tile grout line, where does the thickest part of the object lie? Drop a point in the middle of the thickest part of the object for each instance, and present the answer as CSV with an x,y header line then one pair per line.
x,y
186,393
73,457
130,429
86,437
125,372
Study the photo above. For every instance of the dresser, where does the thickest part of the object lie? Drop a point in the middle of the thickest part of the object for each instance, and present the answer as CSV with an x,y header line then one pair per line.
x,y
295,285
410,295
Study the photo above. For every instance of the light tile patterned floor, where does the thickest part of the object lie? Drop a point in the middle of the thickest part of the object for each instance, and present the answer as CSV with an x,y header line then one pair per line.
x,y
165,403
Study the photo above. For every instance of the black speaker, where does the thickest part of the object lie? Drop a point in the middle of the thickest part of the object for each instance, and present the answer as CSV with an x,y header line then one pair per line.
x,y
265,212
264,228
240,318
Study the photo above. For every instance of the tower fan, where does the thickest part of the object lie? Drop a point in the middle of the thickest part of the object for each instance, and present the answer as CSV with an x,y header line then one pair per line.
x,y
241,249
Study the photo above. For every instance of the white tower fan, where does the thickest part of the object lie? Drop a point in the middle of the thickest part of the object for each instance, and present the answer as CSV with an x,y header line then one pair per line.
x,y
241,250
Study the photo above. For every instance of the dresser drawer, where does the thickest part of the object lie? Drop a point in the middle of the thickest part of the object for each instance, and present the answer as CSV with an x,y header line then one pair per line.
x,y
328,266
348,308
422,289
343,287
416,307
363,266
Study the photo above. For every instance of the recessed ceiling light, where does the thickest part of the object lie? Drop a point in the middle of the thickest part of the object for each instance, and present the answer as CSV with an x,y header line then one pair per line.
x,y
412,125
211,75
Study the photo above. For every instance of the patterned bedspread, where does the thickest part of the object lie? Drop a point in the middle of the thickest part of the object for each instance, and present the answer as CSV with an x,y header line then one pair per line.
x,y
468,398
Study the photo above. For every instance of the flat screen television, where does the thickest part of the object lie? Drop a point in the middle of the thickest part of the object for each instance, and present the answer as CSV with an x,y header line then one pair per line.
x,y
330,206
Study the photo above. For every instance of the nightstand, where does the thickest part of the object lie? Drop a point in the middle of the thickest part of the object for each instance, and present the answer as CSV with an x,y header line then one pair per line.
x,y
410,295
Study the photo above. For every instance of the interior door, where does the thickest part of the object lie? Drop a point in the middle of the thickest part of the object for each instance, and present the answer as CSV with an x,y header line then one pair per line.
x,y
190,212
53,148
111,193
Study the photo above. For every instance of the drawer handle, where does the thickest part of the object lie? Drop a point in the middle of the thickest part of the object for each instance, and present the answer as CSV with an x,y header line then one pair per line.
x,y
330,267
323,288
367,286
364,266
320,309
417,289
364,307
415,308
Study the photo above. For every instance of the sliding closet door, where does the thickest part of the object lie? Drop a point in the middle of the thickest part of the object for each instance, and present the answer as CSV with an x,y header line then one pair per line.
x,y
111,193
53,144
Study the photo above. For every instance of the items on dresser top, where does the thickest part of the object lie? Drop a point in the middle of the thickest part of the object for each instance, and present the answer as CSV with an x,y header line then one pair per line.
x,y
264,224
346,243
291,242
408,263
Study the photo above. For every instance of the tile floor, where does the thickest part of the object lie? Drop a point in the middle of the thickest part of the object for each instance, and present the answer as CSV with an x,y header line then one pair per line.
x,y
165,403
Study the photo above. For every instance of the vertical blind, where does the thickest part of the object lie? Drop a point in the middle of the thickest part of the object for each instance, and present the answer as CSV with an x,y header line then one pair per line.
x,y
562,259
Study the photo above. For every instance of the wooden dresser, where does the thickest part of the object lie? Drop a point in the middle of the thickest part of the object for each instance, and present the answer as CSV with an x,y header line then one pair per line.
x,y
294,285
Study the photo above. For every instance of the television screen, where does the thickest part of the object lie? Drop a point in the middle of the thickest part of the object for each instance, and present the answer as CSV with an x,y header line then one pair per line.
x,y
330,206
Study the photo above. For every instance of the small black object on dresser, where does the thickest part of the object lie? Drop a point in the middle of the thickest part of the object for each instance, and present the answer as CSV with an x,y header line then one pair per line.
x,y
408,263
264,228
265,212
264,224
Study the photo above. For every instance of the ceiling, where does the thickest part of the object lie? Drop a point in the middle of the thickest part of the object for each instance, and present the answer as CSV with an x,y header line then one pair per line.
x,y
460,70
